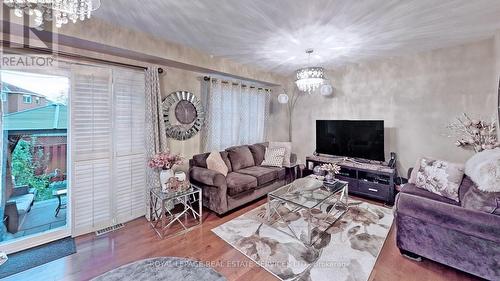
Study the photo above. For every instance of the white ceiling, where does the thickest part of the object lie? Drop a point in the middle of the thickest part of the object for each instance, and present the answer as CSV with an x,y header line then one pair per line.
x,y
273,34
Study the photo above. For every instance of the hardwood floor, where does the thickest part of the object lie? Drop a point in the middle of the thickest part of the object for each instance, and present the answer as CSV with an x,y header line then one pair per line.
x,y
96,255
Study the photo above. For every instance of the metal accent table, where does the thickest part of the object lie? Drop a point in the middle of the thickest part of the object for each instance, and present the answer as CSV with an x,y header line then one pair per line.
x,y
318,204
162,205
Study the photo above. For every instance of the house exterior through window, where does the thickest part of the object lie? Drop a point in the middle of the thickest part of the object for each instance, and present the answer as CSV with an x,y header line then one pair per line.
x,y
27,99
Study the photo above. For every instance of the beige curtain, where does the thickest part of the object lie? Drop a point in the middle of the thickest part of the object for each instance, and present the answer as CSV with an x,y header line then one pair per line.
x,y
236,114
156,138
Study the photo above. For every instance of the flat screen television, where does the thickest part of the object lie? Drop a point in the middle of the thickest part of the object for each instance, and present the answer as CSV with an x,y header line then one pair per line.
x,y
353,139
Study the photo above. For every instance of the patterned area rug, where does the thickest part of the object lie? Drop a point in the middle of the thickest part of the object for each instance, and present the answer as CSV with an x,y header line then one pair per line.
x,y
164,269
347,251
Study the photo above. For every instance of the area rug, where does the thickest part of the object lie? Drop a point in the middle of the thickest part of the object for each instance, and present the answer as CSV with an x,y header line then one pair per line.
x,y
36,256
347,251
162,268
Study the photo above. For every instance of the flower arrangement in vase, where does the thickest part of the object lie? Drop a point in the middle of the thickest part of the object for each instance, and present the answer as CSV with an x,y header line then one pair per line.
x,y
331,170
165,161
476,134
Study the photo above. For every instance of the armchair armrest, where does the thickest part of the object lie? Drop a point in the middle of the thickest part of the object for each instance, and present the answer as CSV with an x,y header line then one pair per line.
x,y
20,190
206,176
453,217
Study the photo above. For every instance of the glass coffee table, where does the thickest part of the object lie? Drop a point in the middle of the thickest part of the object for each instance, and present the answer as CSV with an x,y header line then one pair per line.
x,y
306,208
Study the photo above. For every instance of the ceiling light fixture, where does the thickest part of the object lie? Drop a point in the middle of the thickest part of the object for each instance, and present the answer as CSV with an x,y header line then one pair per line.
x,y
310,78
59,11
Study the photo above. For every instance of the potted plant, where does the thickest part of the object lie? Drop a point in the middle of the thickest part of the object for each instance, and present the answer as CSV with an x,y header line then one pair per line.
x,y
331,170
165,161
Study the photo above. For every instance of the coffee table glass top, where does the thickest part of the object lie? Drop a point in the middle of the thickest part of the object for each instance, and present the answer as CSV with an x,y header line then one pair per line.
x,y
307,192
171,195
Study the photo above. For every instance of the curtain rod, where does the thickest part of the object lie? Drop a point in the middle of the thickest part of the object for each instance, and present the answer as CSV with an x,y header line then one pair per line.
x,y
73,56
208,78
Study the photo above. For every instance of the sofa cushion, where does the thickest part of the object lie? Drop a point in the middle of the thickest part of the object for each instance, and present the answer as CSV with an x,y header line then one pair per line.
x,y
476,199
216,163
258,151
280,170
23,202
274,157
484,170
264,175
237,183
288,151
438,176
413,190
240,157
225,157
200,160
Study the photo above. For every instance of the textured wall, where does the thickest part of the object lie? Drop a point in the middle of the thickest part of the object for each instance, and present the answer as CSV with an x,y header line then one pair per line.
x,y
180,80
96,30
416,95
174,79
497,51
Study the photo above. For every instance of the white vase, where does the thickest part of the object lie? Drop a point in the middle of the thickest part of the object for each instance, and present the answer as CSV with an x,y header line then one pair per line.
x,y
330,178
165,175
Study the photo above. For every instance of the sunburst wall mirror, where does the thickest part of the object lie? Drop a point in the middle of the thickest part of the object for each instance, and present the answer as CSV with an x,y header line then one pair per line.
x,y
183,115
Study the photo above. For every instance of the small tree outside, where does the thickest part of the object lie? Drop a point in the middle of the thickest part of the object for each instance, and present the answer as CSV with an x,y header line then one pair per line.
x,y
24,165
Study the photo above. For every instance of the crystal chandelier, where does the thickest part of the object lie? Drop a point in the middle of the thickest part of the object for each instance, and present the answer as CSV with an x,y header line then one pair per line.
x,y
59,11
310,78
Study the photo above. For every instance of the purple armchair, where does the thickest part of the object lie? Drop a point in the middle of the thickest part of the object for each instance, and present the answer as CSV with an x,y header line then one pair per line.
x,y
441,230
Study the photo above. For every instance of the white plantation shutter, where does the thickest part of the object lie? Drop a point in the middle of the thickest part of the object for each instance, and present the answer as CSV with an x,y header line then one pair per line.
x,y
108,147
129,144
91,144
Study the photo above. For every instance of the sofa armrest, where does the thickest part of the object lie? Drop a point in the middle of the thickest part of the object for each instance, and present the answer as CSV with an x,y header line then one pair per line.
x,y
206,176
454,217
20,190
12,217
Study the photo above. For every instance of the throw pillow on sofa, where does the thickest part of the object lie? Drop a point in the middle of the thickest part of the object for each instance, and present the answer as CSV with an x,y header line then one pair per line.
x,y
216,163
274,157
240,157
288,151
440,177
484,170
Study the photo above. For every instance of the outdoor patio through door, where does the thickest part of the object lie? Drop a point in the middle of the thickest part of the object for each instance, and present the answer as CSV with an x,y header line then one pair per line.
x,y
34,188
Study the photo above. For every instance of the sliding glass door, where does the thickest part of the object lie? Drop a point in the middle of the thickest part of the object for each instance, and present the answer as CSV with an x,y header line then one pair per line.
x,y
34,157
73,152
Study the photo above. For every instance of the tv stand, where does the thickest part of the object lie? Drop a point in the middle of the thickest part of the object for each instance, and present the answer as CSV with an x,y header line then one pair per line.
x,y
371,179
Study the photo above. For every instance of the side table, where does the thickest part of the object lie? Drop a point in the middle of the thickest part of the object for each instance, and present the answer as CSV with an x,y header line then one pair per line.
x,y
162,214
293,172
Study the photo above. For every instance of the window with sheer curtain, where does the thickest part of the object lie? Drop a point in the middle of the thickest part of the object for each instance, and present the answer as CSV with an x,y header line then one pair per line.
x,y
237,114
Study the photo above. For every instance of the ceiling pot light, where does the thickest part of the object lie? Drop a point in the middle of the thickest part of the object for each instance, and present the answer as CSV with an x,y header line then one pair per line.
x,y
310,78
